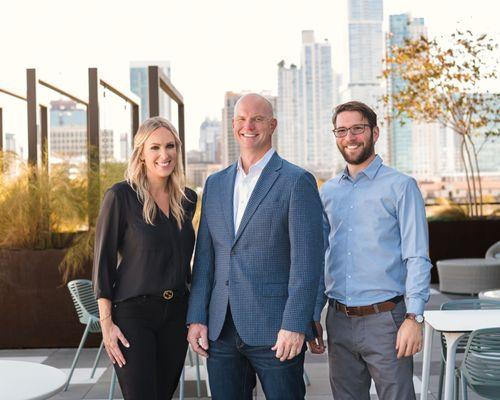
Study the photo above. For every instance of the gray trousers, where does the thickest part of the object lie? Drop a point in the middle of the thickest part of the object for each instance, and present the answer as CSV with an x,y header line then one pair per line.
x,y
364,348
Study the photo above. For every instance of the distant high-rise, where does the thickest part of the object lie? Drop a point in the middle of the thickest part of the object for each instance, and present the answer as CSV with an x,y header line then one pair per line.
x,y
210,140
291,138
365,50
403,134
10,142
139,86
68,132
317,103
304,108
125,147
230,149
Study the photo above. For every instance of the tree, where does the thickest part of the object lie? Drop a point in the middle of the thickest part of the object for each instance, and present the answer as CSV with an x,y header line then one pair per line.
x,y
441,82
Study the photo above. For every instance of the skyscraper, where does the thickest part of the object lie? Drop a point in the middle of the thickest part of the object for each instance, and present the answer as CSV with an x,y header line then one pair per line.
x,y
210,140
230,149
68,132
10,142
290,135
304,109
317,103
365,50
403,134
139,86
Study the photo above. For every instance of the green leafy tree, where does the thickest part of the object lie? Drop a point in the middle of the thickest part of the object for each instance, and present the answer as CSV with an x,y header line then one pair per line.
x,y
441,82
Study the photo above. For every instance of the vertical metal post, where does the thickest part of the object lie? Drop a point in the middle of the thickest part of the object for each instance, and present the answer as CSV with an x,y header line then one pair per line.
x,y
154,91
1,129
44,136
135,119
93,146
180,116
32,108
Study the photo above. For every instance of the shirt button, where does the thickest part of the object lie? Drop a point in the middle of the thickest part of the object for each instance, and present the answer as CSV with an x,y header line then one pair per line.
x,y
348,253
355,185
351,207
349,276
350,229
348,298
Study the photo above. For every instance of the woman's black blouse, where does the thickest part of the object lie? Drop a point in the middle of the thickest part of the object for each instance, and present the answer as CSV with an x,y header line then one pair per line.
x,y
132,258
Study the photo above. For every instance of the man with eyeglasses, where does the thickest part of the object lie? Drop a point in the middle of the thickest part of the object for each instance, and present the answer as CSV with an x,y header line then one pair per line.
x,y
376,244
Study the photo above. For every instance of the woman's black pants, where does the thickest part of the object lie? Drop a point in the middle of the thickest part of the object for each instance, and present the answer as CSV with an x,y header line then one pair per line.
x,y
156,331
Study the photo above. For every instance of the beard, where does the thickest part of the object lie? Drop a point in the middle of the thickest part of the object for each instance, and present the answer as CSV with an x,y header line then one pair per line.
x,y
368,150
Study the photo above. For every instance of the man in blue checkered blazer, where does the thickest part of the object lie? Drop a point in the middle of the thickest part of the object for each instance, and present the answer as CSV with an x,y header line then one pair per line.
x,y
258,261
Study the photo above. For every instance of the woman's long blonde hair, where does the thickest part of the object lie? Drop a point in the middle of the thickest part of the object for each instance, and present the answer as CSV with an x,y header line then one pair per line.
x,y
137,178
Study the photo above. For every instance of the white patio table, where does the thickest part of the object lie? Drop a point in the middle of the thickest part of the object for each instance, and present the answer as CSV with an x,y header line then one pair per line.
x,y
453,324
21,380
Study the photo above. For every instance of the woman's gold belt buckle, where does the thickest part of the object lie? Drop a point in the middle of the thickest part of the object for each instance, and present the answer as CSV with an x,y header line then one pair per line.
x,y
168,294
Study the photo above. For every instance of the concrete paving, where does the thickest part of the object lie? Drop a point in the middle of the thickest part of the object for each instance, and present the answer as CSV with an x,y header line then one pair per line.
x,y
82,387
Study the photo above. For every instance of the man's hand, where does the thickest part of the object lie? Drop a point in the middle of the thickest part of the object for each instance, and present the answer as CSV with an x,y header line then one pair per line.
x,y
409,339
317,346
198,338
288,345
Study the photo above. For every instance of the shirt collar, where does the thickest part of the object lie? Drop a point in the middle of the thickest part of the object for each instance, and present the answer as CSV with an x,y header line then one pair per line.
x,y
370,171
260,165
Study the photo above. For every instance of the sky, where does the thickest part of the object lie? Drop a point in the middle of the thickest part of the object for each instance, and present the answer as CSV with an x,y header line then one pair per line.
x,y
213,46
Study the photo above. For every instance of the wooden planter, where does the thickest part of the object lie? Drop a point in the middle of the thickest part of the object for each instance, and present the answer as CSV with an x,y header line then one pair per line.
x,y
36,309
468,238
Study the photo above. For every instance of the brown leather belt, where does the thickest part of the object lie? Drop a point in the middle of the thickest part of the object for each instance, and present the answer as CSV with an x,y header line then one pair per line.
x,y
361,311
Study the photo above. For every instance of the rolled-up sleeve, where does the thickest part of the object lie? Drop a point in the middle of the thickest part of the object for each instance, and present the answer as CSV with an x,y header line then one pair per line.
x,y
414,246
107,238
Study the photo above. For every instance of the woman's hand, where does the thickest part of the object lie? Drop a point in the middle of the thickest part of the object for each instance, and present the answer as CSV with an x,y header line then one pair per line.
x,y
111,334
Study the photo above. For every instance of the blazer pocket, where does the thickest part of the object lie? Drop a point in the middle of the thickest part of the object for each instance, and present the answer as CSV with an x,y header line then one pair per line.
x,y
275,289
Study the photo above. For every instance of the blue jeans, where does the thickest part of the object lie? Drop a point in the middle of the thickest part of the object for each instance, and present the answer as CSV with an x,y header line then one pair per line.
x,y
232,366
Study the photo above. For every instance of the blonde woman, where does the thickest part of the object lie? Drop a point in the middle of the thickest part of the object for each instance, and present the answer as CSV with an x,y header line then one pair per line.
x,y
143,248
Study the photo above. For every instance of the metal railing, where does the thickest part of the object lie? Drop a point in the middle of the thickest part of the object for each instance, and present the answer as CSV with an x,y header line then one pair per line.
x,y
157,81
12,94
94,134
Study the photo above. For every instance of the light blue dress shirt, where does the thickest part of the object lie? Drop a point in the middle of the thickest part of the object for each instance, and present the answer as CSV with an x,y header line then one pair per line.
x,y
376,239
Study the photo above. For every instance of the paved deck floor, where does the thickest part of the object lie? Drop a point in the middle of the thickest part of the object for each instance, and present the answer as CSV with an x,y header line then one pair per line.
x,y
82,387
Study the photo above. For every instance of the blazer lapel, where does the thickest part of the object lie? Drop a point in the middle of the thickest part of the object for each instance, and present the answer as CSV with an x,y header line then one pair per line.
x,y
264,184
227,193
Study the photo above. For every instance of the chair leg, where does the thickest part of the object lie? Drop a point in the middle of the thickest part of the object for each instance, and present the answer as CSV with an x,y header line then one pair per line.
x,y
112,385
94,367
209,392
306,379
181,384
463,386
190,354
77,355
441,378
456,384
198,377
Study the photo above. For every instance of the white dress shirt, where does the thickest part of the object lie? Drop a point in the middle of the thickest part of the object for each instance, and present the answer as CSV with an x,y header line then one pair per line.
x,y
245,184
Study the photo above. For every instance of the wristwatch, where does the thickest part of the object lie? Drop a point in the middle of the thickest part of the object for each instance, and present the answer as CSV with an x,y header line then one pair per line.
x,y
419,319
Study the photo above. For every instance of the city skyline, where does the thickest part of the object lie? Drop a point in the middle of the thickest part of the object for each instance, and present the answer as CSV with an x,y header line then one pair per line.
x,y
207,60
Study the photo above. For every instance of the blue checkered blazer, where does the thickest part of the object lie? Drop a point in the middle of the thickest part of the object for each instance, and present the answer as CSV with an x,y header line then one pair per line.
x,y
269,271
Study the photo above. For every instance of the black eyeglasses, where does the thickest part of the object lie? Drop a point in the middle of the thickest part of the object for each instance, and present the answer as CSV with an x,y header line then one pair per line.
x,y
355,130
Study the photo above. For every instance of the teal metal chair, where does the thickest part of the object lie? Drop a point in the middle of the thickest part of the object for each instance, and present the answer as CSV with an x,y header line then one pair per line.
x,y
87,310
465,304
480,369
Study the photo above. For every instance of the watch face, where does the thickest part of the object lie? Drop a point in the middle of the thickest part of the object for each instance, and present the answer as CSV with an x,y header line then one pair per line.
x,y
419,318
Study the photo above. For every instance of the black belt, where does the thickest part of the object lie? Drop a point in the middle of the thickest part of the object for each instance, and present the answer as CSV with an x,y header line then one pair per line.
x,y
168,294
